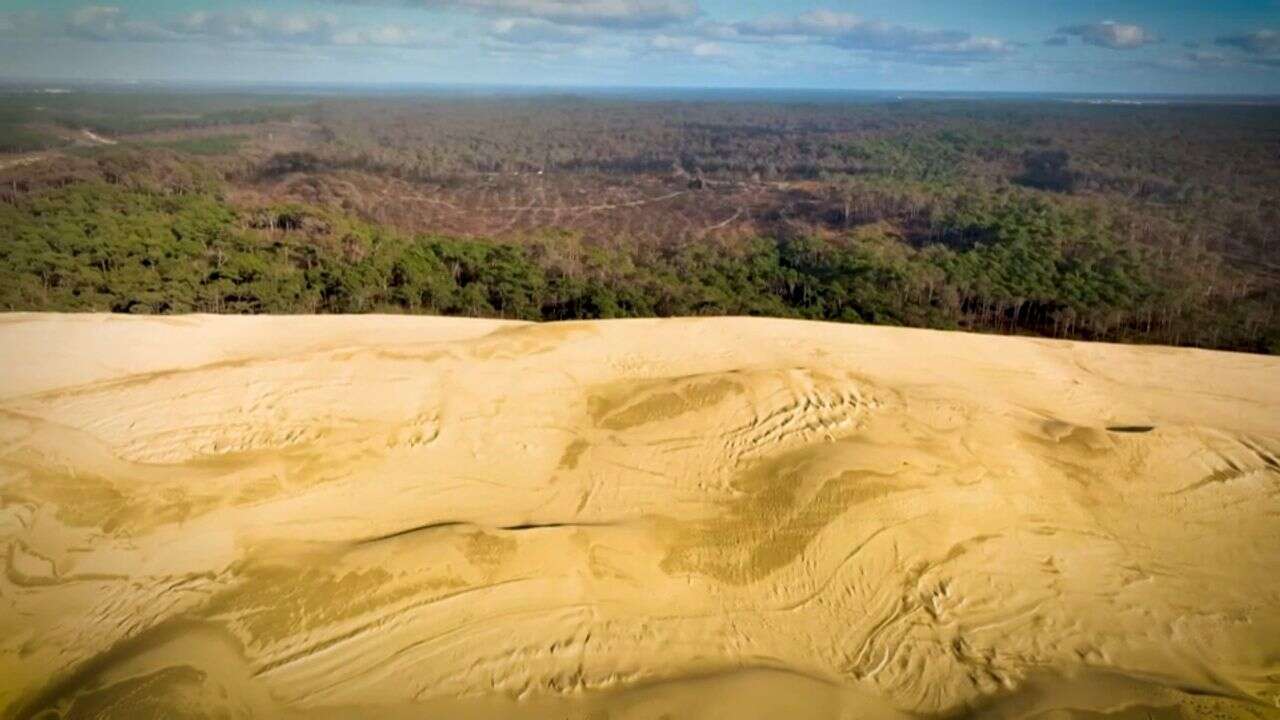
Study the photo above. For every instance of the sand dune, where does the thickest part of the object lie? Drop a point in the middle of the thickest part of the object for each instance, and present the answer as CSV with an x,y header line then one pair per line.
x,y
720,518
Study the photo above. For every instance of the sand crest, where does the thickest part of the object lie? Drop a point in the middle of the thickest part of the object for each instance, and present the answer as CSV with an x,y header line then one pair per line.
x,y
354,517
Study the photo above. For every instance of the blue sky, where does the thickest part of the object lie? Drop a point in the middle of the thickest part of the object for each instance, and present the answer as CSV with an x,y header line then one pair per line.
x,y
1159,46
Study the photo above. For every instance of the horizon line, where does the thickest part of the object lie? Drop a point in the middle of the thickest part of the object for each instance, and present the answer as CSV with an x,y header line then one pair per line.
x,y
376,85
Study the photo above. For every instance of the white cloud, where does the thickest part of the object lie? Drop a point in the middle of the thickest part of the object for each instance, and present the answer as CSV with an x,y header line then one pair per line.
x,y
709,50
1258,42
1111,34
615,14
27,22
109,23
851,32
1209,59
301,28
530,31
258,26
694,47
382,35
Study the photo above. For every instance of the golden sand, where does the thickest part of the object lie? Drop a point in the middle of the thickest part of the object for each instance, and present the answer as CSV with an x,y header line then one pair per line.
x,y
377,517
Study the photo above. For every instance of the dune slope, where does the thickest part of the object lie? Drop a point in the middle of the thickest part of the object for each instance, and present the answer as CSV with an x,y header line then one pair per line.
x,y
711,518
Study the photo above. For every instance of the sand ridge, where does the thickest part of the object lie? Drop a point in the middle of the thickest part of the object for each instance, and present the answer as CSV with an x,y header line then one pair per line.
x,y
337,517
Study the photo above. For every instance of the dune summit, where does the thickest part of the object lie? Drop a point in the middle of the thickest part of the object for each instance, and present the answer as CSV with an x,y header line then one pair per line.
x,y
354,517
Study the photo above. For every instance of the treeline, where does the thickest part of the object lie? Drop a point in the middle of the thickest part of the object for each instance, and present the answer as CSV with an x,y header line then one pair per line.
x,y
1012,262
31,121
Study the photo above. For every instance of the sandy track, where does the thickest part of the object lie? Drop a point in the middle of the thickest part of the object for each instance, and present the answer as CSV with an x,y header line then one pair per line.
x,y
398,517
84,138
94,138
